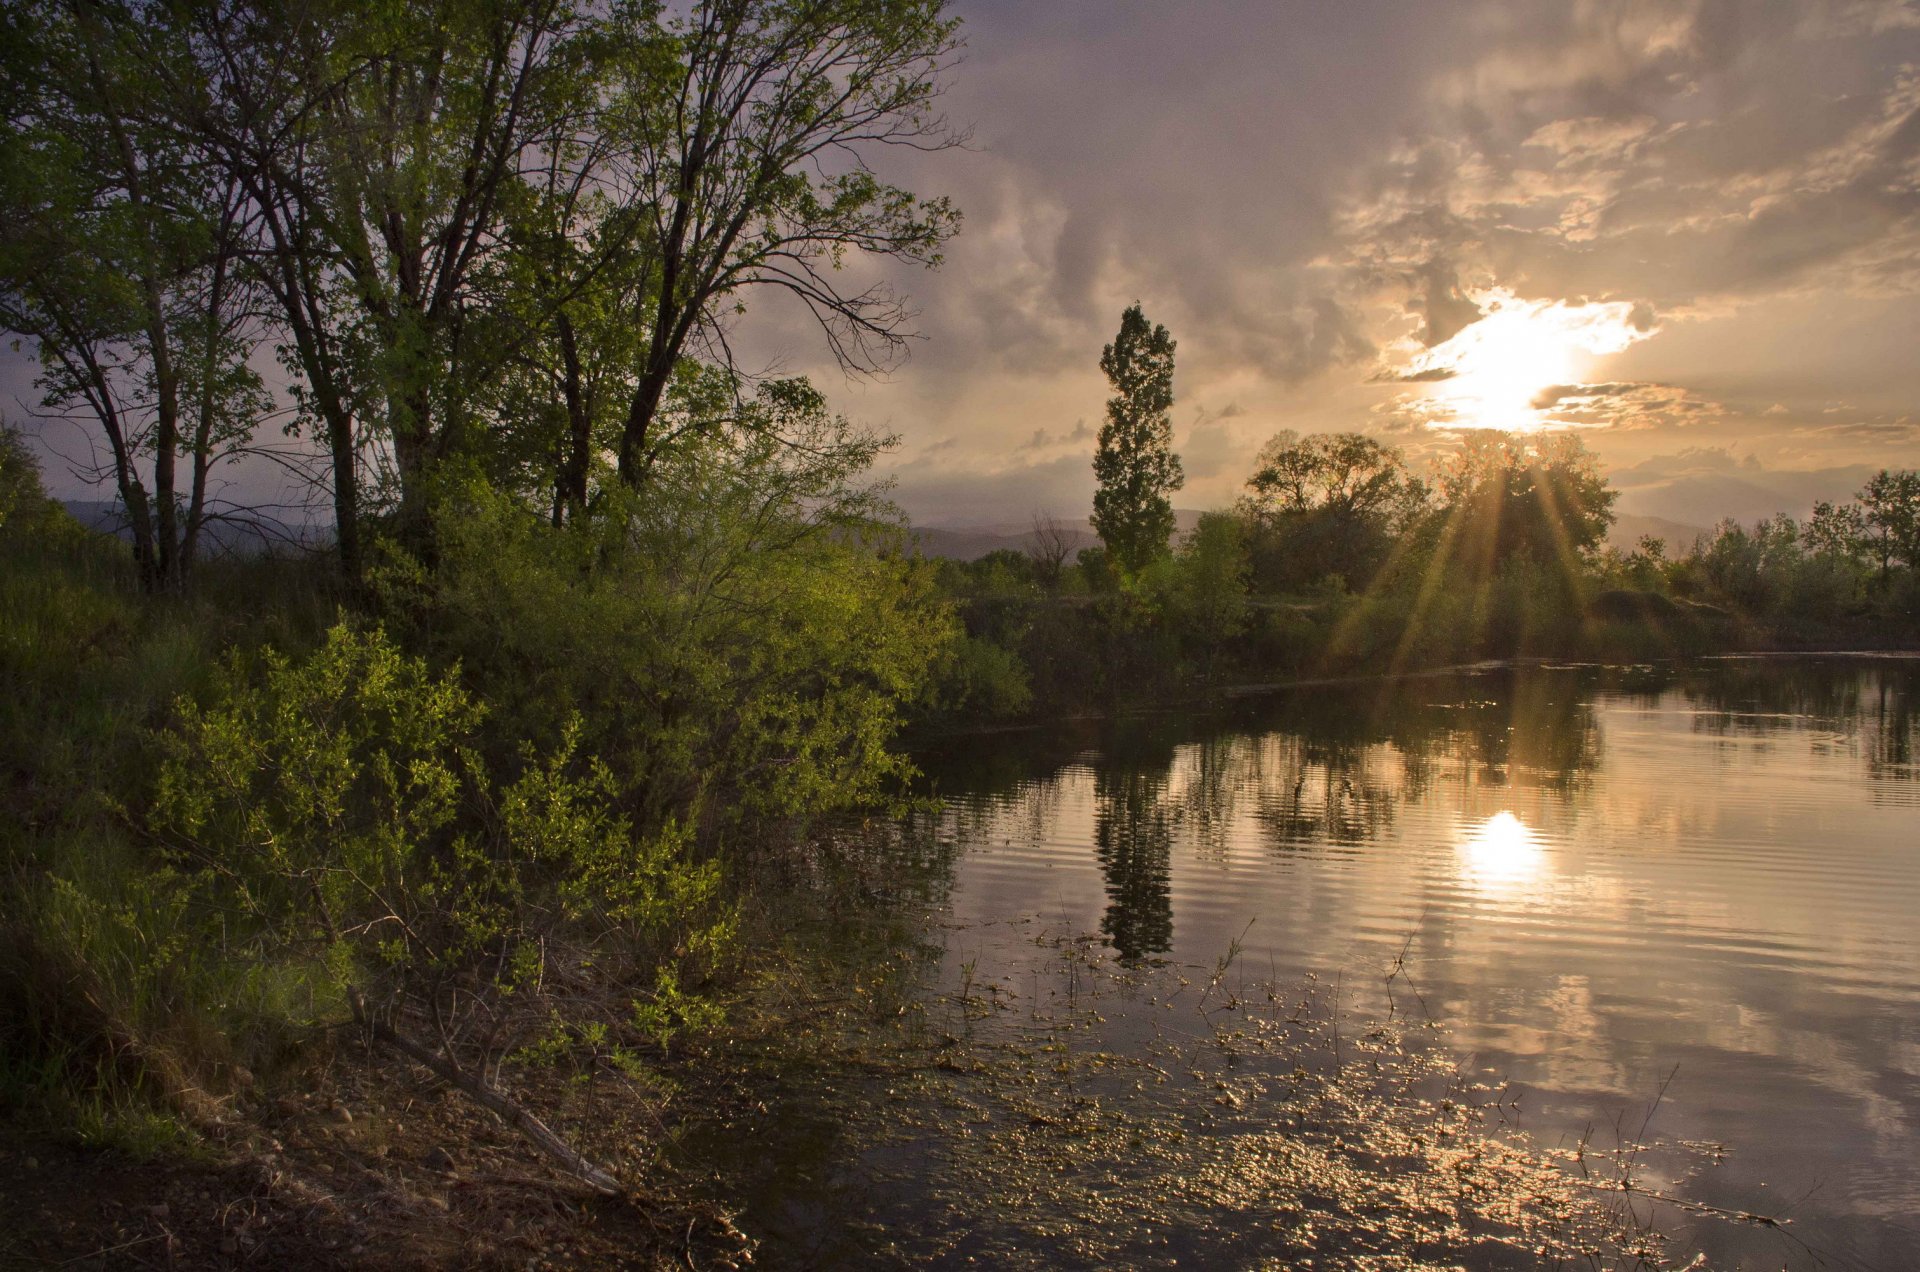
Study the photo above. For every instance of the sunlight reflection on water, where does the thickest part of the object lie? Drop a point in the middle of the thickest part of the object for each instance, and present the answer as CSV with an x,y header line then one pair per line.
x,y
1599,880
1502,854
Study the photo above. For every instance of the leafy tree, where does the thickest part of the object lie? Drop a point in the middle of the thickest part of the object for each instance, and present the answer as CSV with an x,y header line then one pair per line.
x,y
1890,513
494,235
1134,463
120,259
742,133
1211,587
1327,505
1836,530
1539,497
380,159
1346,473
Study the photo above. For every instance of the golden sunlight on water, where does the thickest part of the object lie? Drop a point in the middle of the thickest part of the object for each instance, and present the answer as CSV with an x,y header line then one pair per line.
x,y
1606,885
1502,854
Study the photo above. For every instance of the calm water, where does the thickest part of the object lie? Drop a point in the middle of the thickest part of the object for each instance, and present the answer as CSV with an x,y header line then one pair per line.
x,y
1599,882
1626,906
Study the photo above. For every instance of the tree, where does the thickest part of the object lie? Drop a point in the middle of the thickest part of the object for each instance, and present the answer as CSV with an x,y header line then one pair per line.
x,y
120,261
1211,586
1048,545
1890,512
1135,463
745,157
494,235
1327,505
380,158
1835,530
1535,496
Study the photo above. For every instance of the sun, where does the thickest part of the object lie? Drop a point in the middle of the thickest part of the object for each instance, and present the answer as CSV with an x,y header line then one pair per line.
x,y
1493,372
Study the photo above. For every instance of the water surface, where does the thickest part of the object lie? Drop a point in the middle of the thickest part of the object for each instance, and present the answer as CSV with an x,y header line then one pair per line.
x,y
1680,900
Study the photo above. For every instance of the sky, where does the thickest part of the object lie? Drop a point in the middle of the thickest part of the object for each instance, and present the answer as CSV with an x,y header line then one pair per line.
x,y
1690,231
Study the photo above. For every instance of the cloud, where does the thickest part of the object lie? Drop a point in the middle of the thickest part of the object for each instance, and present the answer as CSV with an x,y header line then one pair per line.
x,y
1661,151
1901,430
1625,405
1736,186
1426,375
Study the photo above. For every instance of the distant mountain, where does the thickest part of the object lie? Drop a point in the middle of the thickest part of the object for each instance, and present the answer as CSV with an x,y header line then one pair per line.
x,y
1628,528
971,545
240,538
969,542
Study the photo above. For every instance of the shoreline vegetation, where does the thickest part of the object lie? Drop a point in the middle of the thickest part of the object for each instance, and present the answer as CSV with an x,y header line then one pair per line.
x,y
280,905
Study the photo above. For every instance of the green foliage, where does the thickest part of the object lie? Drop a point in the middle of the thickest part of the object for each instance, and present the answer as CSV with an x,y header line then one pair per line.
x,y
1326,505
1537,496
1890,518
341,802
1134,463
1210,588
984,681
738,642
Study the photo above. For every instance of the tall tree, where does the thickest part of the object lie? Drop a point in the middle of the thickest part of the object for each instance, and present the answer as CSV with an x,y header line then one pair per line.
x,y
1134,463
1890,511
743,142
120,259
381,157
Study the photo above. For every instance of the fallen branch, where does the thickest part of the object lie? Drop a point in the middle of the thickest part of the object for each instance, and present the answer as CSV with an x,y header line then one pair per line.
x,y
489,1097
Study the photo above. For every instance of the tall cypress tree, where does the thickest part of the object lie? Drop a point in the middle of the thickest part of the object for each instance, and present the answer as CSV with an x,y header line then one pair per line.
x,y
1135,463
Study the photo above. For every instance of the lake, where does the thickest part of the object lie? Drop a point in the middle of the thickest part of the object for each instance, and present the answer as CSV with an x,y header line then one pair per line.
x,y
1652,924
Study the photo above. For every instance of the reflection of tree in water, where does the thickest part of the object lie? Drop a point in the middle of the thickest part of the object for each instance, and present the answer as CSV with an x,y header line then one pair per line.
x,y
1134,839
1317,794
1216,771
1544,726
1870,707
1896,729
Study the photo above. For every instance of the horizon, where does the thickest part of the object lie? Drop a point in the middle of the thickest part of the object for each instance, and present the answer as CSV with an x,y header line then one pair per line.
x,y
1689,232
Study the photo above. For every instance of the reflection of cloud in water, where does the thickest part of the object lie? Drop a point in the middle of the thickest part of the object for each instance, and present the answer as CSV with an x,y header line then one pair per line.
x,y
1502,854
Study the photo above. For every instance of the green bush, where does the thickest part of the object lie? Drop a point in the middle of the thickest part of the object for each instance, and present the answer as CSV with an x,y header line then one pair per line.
x,y
339,812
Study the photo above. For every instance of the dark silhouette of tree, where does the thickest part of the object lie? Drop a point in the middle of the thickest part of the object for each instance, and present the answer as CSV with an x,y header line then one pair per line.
x,y
1048,545
1327,504
1890,514
1540,497
1134,840
1135,463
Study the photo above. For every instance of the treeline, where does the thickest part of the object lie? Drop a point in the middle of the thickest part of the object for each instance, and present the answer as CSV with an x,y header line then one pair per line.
x,y
606,623
1341,559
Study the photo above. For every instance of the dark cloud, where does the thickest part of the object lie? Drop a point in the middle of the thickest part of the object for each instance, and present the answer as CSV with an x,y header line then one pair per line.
x,y
1666,152
1430,375
1443,308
